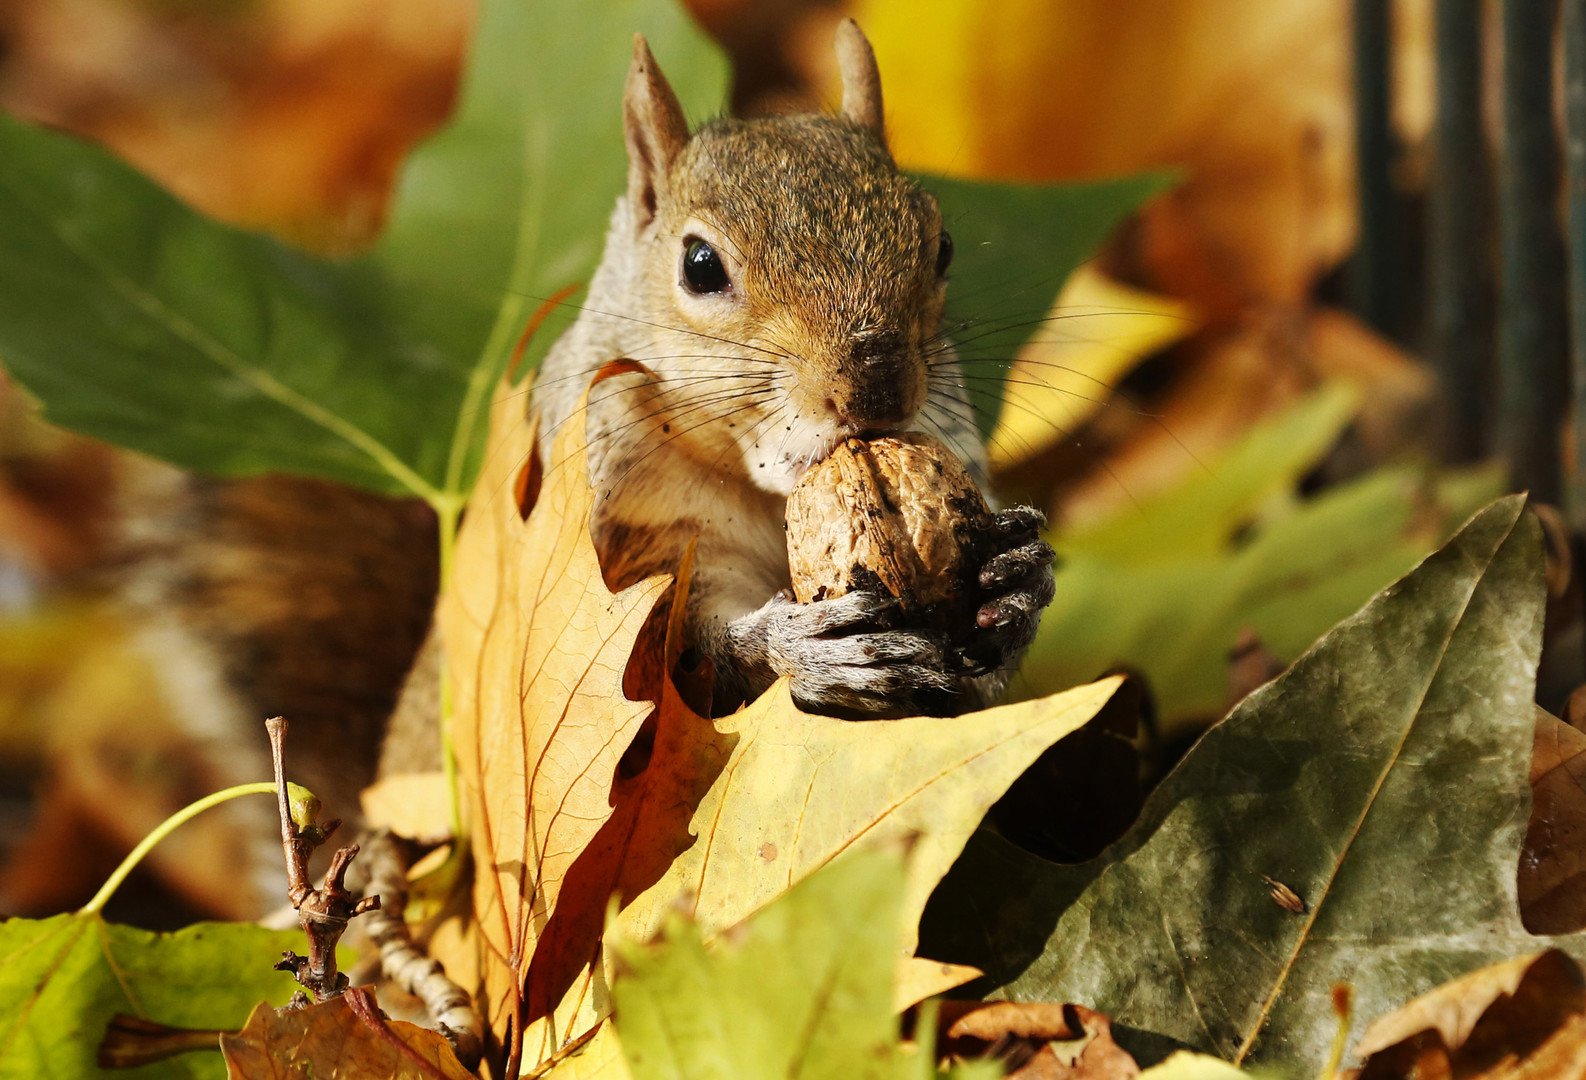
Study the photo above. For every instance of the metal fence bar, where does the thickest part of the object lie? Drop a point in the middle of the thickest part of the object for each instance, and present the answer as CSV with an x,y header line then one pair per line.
x,y
1460,241
1533,354
1377,278
1575,147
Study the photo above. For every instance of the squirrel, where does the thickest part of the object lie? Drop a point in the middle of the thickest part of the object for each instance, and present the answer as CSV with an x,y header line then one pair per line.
x,y
776,285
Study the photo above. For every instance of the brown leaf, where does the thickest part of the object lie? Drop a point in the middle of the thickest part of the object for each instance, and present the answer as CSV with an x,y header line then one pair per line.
x,y
1525,1017
1035,1041
1552,876
286,113
345,1036
571,804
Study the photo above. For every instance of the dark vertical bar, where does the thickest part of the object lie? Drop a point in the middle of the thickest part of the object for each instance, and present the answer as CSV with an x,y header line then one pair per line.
x,y
1461,301
1575,121
1378,273
1533,355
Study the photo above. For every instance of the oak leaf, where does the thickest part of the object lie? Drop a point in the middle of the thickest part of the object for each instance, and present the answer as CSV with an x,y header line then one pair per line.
x,y
721,816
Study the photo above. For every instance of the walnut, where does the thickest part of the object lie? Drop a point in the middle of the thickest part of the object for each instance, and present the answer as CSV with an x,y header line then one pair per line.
x,y
898,513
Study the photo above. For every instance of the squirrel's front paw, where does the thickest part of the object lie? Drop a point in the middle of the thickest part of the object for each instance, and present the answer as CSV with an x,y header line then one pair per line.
x,y
849,655
1017,585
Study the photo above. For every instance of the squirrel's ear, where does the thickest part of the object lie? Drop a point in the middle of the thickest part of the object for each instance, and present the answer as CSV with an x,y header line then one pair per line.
x,y
655,128
856,61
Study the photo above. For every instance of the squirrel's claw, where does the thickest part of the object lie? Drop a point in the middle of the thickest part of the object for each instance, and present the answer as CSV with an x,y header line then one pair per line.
x,y
1019,579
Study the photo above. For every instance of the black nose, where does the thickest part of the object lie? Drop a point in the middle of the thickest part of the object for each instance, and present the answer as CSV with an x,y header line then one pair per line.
x,y
881,381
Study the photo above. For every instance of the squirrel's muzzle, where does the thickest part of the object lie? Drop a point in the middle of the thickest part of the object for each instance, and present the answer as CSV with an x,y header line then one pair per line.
x,y
884,382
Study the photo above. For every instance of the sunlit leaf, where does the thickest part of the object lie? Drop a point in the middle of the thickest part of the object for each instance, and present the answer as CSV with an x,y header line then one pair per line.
x,y
63,978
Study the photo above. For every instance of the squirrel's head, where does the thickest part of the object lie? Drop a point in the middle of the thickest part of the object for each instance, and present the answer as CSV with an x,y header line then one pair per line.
x,y
794,257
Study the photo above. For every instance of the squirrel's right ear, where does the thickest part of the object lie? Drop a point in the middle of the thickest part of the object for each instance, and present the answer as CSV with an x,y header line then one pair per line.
x,y
655,129
856,62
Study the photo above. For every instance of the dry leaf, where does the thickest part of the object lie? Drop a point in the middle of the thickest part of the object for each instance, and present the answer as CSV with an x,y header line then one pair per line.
x,y
1552,876
345,1036
598,1058
1525,1017
720,816
1035,1041
415,806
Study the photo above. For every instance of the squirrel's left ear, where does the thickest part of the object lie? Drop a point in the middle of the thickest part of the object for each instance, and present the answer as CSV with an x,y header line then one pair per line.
x,y
856,62
655,129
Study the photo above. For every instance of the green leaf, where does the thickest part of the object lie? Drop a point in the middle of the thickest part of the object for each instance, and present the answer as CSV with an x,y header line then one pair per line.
x,y
1015,246
1165,588
63,978
802,988
1382,779
137,320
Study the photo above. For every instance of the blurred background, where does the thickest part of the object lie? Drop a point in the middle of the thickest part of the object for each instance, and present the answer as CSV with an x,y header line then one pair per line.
x,y
1234,419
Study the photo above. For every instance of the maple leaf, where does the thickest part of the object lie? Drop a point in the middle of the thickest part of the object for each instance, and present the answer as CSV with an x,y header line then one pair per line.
x,y
729,813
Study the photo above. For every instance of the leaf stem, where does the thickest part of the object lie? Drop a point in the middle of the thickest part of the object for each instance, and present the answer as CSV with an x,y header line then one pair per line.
x,y
449,515
161,831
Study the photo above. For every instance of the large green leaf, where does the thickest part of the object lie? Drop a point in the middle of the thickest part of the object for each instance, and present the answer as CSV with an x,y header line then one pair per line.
x,y
137,320
1016,245
1382,779
1166,586
63,978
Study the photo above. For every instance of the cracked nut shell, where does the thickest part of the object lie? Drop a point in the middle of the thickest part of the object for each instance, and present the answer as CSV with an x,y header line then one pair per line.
x,y
898,513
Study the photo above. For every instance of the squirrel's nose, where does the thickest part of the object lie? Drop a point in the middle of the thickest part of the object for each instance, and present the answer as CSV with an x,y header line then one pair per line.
x,y
882,384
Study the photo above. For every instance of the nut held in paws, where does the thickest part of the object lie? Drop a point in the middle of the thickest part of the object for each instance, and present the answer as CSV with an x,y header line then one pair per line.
x,y
899,514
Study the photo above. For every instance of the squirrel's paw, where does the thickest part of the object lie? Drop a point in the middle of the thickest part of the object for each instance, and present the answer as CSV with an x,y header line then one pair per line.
x,y
1017,582
848,655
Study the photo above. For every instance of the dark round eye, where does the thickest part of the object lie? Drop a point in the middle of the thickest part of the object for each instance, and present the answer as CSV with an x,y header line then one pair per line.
x,y
944,253
702,269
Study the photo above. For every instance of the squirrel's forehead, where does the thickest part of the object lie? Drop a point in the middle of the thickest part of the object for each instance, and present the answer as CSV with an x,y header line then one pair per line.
x,y
815,175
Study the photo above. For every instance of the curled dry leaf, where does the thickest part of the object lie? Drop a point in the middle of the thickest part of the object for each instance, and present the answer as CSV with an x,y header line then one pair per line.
x,y
1524,1017
345,1036
719,817
1036,1041
1553,858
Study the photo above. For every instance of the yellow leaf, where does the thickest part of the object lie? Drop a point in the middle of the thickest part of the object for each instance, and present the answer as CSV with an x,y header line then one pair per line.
x,y
1099,330
416,806
719,816
536,647
600,1058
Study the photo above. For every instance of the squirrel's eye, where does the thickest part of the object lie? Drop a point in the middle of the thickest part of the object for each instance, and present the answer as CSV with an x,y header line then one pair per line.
x,y
702,269
944,253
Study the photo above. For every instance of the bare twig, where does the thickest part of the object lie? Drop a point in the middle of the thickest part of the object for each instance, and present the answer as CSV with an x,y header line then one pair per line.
x,y
323,913
404,963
